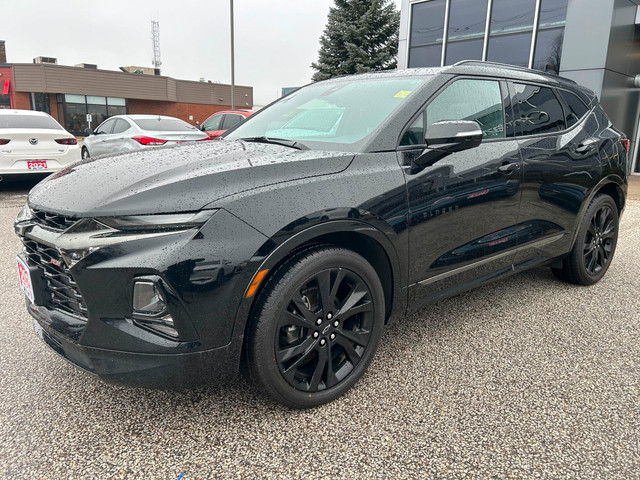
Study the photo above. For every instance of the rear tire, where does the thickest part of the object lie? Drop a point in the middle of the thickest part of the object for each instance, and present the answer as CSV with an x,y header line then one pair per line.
x,y
595,244
316,327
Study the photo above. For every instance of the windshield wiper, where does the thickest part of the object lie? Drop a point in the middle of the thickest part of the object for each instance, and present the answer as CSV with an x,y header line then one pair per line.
x,y
277,141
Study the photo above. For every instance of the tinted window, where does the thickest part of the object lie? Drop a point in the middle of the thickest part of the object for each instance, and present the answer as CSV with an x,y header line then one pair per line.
x,y
106,127
478,100
575,109
121,126
231,120
414,134
213,123
466,30
537,110
28,121
159,124
511,31
425,38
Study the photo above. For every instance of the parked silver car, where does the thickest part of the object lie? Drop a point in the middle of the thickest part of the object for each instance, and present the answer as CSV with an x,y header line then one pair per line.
x,y
124,133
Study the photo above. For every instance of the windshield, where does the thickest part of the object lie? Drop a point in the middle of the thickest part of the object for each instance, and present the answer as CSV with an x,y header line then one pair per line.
x,y
343,112
163,124
29,121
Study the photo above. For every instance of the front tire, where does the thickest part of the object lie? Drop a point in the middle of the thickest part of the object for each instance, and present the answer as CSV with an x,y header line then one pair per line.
x,y
316,327
85,153
595,244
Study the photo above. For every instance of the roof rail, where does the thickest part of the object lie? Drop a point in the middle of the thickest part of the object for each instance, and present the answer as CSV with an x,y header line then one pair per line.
x,y
506,65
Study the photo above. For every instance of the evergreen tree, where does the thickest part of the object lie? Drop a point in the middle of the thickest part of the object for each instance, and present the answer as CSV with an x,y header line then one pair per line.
x,y
360,36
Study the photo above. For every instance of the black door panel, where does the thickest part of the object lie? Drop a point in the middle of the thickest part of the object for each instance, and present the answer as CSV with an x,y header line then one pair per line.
x,y
462,213
559,172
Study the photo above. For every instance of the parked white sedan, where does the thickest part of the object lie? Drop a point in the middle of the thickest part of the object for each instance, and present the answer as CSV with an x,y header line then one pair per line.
x,y
124,133
34,143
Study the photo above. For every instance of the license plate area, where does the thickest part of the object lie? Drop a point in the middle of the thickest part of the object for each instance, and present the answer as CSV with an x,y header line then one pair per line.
x,y
37,165
31,281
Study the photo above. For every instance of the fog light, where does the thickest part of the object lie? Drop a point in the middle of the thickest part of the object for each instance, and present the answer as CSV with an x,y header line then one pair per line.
x,y
150,309
147,299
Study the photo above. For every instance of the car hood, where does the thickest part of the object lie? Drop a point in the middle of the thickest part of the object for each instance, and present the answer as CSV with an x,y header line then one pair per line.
x,y
177,179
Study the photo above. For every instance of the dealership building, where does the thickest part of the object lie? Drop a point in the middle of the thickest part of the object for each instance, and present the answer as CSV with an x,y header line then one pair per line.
x,y
70,93
594,42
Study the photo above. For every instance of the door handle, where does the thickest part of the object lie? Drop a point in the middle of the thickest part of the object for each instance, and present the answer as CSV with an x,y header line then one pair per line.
x,y
587,145
508,167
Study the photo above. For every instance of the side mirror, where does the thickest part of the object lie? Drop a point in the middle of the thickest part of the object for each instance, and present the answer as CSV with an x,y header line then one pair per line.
x,y
89,131
446,137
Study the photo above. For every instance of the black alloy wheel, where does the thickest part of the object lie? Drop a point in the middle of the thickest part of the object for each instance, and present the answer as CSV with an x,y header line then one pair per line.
x,y
324,330
599,240
319,322
595,244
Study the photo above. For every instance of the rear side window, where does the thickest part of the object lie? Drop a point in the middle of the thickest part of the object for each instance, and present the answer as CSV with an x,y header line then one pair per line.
x,y
537,110
231,120
575,108
28,121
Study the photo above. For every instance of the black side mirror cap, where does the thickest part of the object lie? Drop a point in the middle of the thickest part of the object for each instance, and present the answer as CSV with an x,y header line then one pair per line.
x,y
446,137
89,131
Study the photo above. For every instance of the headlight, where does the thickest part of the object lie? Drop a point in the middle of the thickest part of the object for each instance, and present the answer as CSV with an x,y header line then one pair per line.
x,y
172,221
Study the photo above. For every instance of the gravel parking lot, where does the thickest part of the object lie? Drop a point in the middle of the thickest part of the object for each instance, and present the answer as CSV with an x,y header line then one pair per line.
x,y
524,378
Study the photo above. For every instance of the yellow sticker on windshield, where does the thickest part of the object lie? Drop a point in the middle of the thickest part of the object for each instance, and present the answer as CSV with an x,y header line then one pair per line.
x,y
402,94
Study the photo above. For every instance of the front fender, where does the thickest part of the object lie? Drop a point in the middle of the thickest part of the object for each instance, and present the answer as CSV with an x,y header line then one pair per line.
x,y
290,238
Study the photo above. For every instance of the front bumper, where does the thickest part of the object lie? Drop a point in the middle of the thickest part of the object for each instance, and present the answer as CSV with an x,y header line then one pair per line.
x,y
174,370
204,271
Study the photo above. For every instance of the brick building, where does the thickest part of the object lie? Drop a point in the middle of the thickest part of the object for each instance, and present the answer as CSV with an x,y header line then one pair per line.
x,y
70,93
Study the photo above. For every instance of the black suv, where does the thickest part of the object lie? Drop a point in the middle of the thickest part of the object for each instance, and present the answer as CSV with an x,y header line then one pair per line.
x,y
283,249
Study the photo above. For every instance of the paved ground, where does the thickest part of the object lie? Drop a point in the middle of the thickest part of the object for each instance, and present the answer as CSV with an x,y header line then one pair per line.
x,y
525,378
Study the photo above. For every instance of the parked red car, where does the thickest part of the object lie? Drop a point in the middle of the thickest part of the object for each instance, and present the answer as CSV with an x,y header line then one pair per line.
x,y
220,122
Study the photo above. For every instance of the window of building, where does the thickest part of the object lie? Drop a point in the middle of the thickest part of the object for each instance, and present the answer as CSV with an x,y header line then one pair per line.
x,y
537,110
575,109
548,51
73,110
427,30
475,100
511,31
465,38
40,102
5,99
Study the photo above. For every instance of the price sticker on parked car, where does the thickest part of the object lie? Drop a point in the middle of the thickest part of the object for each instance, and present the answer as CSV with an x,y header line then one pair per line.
x,y
37,165
24,277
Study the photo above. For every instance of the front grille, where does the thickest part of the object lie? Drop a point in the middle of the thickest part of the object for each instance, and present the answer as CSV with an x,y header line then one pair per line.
x,y
62,289
53,221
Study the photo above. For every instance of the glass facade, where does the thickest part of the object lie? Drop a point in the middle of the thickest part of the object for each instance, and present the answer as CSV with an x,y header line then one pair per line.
x,y
465,37
427,32
73,110
508,39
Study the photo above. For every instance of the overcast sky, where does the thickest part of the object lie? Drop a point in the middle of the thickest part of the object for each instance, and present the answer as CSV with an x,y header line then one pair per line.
x,y
276,40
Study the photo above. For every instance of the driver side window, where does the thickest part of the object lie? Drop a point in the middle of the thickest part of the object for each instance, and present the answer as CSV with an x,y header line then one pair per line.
x,y
466,99
213,123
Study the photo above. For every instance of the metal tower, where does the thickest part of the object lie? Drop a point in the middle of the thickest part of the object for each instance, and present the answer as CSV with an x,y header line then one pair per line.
x,y
155,36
